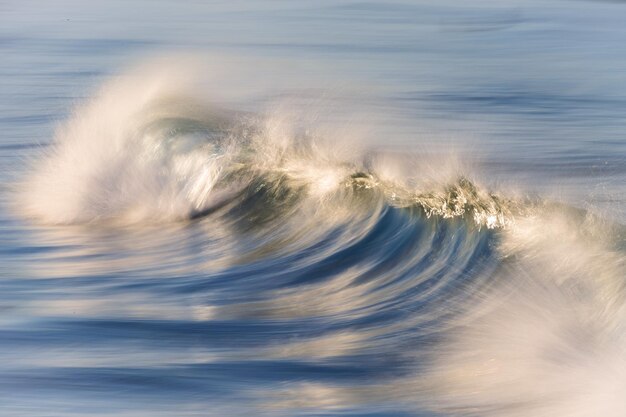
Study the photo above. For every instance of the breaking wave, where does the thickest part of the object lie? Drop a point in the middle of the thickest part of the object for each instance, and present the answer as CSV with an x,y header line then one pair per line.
x,y
489,305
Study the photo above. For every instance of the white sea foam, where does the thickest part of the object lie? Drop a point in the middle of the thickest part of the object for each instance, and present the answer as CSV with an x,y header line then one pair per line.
x,y
550,341
149,147
111,160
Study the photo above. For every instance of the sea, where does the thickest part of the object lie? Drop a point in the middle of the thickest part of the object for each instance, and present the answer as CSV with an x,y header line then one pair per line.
x,y
273,208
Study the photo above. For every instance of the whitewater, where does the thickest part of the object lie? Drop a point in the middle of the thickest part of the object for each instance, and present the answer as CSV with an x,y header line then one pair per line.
x,y
188,238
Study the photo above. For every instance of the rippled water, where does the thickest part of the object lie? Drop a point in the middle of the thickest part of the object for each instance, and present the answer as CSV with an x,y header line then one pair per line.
x,y
312,208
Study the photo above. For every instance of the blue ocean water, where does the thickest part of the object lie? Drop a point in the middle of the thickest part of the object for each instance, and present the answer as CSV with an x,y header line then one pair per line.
x,y
330,208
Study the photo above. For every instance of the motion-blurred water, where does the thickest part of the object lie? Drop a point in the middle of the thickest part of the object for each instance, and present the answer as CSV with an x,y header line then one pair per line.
x,y
321,208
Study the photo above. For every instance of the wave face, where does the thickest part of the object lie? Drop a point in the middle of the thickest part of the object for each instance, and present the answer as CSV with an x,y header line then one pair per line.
x,y
276,269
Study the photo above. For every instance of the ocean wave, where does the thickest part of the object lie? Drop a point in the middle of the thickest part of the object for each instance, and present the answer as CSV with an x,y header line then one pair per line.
x,y
146,149
490,305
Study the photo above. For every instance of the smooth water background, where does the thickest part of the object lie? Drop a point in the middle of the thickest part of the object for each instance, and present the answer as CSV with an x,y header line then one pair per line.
x,y
98,321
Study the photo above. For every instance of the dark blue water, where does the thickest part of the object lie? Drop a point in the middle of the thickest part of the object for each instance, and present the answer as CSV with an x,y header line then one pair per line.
x,y
328,208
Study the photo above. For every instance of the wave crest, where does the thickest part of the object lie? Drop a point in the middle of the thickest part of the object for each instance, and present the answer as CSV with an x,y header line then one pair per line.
x,y
148,149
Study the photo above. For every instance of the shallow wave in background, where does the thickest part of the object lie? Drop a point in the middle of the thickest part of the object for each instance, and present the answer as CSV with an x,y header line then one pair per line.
x,y
320,276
